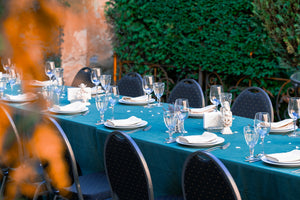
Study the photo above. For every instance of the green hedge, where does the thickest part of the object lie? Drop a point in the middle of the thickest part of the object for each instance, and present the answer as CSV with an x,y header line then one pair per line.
x,y
218,35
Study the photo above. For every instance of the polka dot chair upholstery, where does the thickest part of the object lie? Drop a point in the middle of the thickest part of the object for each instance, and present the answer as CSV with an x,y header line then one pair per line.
x,y
127,170
131,85
251,101
205,177
188,89
83,76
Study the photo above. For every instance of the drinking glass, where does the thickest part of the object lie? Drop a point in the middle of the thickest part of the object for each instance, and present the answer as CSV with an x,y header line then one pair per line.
x,y
148,81
262,125
6,63
49,69
95,77
215,95
113,98
101,104
251,137
2,87
105,82
170,119
182,108
158,88
226,96
294,112
59,77
12,78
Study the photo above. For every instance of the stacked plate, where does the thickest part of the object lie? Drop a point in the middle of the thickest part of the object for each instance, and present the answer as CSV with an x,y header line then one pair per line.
x,y
129,123
72,108
288,159
207,139
20,97
283,126
142,100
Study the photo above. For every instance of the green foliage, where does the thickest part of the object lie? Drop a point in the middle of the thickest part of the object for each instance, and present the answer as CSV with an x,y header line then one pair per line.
x,y
218,35
281,19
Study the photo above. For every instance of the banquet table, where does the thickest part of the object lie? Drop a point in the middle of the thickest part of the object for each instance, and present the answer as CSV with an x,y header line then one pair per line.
x,y
255,180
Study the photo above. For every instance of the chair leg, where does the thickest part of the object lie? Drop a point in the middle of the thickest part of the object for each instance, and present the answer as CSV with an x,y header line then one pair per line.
x,y
36,194
2,187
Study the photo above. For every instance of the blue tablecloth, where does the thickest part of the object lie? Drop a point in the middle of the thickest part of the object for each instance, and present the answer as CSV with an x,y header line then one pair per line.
x,y
254,180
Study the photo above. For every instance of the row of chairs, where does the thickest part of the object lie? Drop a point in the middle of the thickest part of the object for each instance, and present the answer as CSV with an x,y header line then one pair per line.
x,y
127,175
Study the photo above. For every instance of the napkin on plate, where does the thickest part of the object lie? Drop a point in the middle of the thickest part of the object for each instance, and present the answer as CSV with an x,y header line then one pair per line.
x,y
21,97
124,122
94,91
206,137
41,83
72,107
291,156
143,98
284,124
205,109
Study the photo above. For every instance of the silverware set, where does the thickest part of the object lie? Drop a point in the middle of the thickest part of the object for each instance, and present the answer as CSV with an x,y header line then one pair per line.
x,y
224,146
138,129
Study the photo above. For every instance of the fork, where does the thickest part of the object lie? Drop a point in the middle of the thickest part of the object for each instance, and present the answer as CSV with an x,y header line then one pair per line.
x,y
144,129
224,146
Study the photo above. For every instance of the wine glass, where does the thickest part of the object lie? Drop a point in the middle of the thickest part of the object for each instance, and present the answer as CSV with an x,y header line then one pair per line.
x,y
59,77
49,69
2,87
148,81
262,125
251,137
113,98
105,82
6,63
95,77
182,108
158,88
294,112
170,119
226,96
101,104
12,78
215,95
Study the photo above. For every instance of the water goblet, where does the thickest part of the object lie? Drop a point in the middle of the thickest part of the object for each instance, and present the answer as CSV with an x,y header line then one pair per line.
x,y
12,78
226,96
158,88
101,104
170,119
2,87
182,108
6,63
215,95
105,82
294,112
113,98
49,69
262,125
251,137
148,81
59,78
95,77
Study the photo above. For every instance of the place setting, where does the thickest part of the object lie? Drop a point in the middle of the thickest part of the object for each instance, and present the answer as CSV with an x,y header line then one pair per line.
x,y
207,139
72,108
132,122
285,159
140,100
20,98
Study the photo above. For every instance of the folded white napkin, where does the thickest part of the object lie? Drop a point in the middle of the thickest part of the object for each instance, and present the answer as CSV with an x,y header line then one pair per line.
x,y
212,120
72,107
143,98
21,97
206,137
284,124
124,122
291,156
41,83
205,109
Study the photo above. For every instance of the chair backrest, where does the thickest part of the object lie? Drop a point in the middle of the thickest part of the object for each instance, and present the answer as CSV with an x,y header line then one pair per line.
x,y
251,101
205,177
70,158
131,85
188,89
126,168
83,76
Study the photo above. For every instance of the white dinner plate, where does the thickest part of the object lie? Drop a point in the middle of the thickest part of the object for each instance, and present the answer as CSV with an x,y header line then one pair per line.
x,y
283,130
138,125
67,112
30,98
136,103
282,164
40,83
219,140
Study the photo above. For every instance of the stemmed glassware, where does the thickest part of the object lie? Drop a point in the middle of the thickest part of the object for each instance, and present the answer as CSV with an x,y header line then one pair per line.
x,y
105,82
262,125
170,118
6,63
58,74
12,78
182,108
113,98
215,95
148,81
159,88
95,77
294,112
226,96
251,137
49,69
101,104
2,87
